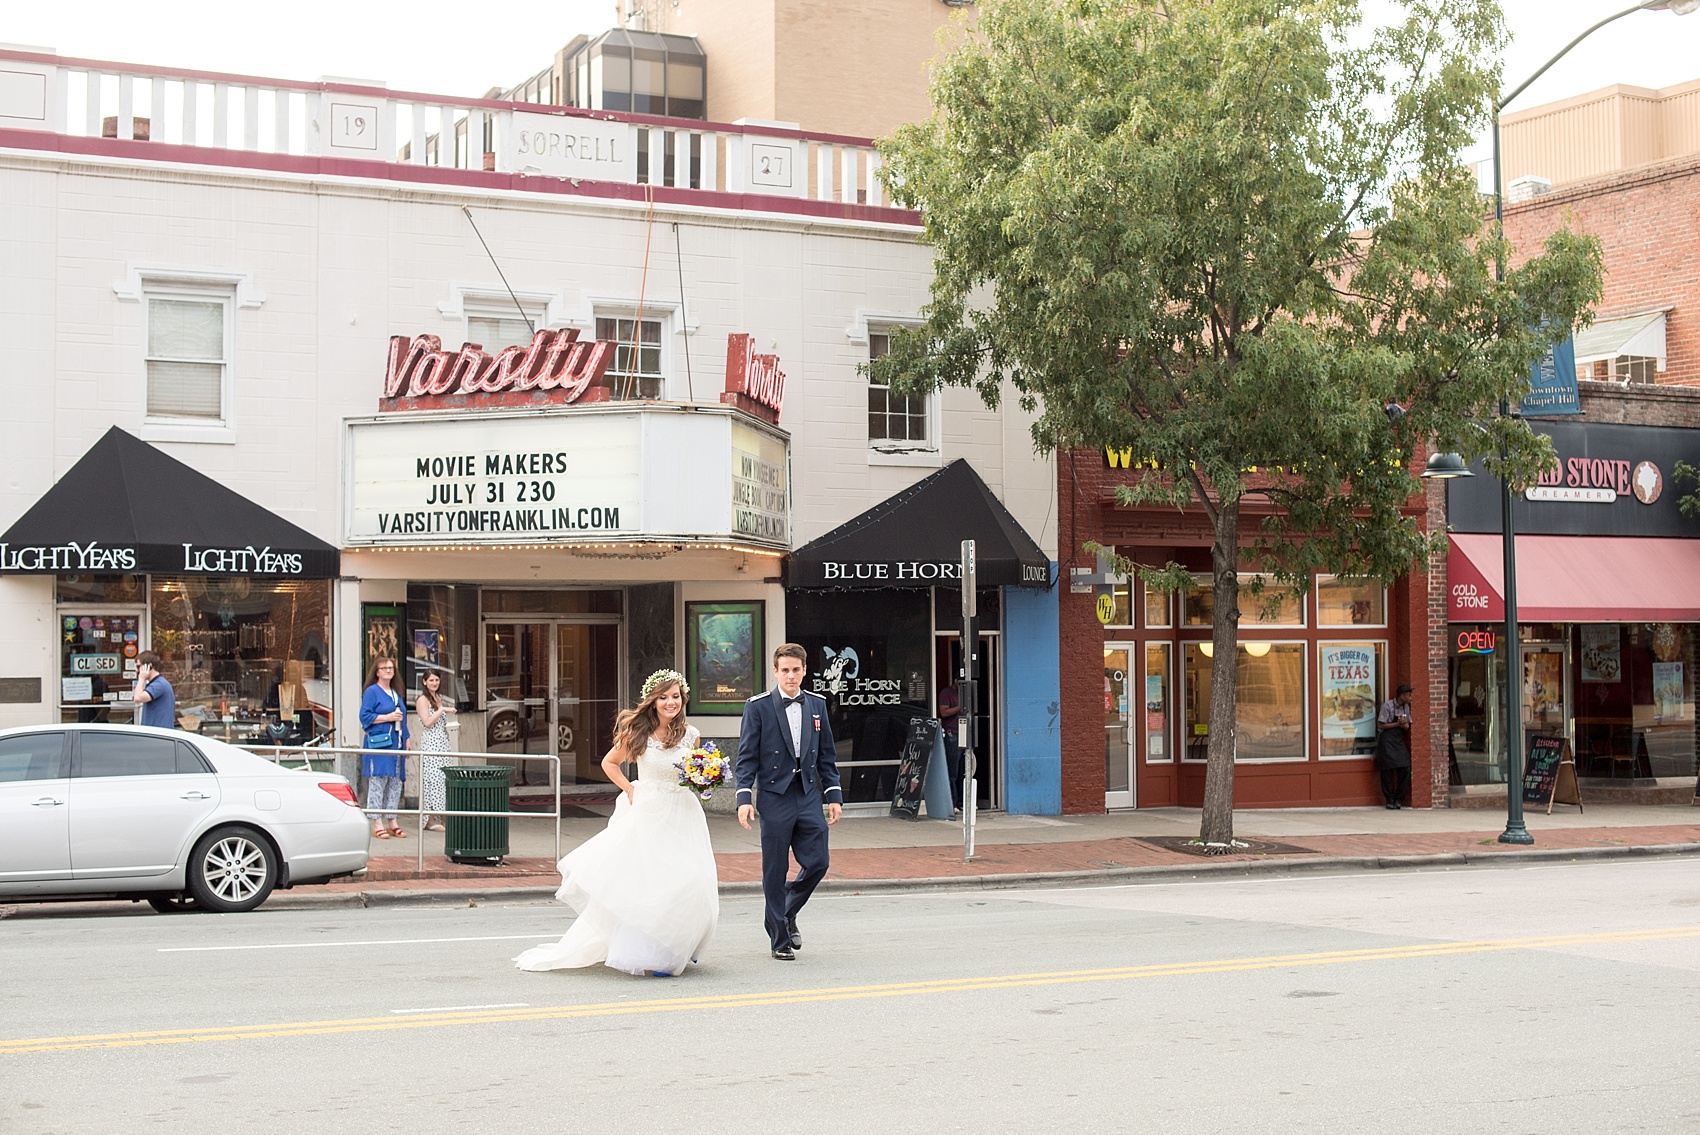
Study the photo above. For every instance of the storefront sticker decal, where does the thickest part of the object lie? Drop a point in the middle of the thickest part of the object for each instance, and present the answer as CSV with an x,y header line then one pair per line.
x,y
1602,657
840,681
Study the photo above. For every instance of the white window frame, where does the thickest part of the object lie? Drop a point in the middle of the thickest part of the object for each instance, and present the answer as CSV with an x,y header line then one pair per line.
x,y
674,386
887,451
235,290
664,319
467,301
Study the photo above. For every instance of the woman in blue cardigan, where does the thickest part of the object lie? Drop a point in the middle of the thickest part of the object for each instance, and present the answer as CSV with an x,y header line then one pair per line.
x,y
383,715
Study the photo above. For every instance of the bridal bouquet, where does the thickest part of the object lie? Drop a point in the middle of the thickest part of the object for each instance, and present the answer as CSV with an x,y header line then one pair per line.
x,y
703,770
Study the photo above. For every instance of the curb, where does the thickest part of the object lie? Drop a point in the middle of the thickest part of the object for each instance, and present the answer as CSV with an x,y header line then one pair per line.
x,y
1164,873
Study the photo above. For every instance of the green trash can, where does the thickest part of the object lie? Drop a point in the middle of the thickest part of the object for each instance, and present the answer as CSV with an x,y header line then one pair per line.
x,y
476,839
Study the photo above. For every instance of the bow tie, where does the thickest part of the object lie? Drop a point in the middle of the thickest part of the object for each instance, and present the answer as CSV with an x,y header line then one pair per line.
x,y
789,702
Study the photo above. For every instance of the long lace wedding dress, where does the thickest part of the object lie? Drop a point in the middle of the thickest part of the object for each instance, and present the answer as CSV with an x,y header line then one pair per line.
x,y
645,887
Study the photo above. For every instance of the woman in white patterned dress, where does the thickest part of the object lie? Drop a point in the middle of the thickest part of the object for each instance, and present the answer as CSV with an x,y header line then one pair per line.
x,y
434,716
645,887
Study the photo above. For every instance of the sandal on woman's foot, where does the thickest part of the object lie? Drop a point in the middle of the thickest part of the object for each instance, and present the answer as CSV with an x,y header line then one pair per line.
x,y
397,833
380,833
433,827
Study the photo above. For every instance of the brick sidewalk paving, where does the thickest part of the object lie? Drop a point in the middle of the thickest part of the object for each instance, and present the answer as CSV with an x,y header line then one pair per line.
x,y
1036,859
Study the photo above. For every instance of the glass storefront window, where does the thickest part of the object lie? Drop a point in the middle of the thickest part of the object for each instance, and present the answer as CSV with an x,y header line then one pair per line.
x,y
101,588
442,638
1476,746
1120,593
1270,701
871,658
520,602
1273,607
1158,747
1634,698
1345,602
242,653
1349,692
1158,604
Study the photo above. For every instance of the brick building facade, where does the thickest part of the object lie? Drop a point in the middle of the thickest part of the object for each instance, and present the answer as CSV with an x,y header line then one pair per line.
x,y
1648,222
1398,628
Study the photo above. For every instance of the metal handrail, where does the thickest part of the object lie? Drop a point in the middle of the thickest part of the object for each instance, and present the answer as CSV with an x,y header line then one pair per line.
x,y
308,753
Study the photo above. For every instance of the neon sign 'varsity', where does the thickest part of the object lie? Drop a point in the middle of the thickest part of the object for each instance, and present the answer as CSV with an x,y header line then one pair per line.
x,y
553,368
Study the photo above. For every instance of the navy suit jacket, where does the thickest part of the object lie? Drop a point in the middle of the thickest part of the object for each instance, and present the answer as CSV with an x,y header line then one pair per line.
x,y
766,762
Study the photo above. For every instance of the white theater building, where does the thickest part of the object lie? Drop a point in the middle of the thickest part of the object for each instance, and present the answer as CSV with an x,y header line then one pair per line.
x,y
266,286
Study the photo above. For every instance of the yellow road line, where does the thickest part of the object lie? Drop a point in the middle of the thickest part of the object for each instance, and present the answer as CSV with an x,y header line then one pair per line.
x,y
841,993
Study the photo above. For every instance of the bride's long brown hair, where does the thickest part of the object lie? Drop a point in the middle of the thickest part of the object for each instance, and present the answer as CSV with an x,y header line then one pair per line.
x,y
634,726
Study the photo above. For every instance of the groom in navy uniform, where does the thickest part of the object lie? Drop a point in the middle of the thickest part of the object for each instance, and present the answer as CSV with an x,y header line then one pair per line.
x,y
788,768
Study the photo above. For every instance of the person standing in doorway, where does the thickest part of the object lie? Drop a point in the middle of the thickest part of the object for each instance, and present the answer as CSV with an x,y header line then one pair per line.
x,y
1393,746
787,771
950,712
156,701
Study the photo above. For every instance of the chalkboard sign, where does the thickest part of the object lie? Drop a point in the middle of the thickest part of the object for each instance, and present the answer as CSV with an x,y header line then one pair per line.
x,y
918,747
1540,768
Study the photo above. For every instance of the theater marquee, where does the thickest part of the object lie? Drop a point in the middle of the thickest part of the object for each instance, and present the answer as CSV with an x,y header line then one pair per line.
x,y
581,474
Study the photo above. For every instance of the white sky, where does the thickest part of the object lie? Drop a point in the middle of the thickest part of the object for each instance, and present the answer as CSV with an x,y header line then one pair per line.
x,y
466,48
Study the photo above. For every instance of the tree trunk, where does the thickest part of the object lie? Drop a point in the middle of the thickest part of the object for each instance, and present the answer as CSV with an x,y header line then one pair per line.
x,y
1218,820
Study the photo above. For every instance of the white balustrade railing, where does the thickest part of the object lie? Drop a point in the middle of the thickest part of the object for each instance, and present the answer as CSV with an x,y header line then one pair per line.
x,y
369,123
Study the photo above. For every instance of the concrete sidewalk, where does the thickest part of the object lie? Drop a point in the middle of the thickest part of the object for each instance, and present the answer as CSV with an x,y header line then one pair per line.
x,y
872,852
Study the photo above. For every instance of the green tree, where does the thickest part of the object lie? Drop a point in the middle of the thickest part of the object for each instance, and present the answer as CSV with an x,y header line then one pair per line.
x,y
1683,475
1229,234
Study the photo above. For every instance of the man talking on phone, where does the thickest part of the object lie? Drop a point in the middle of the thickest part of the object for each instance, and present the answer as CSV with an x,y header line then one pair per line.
x,y
156,701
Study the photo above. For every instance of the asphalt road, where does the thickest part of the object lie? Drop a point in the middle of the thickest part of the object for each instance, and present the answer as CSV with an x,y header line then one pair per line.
x,y
1562,998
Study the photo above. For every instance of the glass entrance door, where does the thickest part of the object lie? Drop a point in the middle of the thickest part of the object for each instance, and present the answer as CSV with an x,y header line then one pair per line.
x,y
587,697
1118,727
988,759
1546,693
517,705
552,687
97,662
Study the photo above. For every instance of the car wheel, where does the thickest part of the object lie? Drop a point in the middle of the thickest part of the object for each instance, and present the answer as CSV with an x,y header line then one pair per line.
x,y
232,870
504,729
172,904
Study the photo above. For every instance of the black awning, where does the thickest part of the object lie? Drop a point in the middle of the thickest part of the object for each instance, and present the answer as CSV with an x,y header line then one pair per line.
x,y
915,540
127,507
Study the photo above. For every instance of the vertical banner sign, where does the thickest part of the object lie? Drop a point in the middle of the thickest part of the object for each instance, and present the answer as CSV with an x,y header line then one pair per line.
x,y
967,696
1552,382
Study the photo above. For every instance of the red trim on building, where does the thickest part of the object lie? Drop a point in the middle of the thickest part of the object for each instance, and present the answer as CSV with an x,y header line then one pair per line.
x,y
312,166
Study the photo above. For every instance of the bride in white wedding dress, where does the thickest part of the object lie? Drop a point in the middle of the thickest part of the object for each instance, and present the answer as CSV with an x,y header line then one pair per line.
x,y
645,887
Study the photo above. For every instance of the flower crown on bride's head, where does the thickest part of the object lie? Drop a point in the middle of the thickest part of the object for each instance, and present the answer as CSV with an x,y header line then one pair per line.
x,y
664,678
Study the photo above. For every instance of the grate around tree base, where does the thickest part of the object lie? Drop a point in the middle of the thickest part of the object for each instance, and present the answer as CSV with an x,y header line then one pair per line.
x,y
1191,845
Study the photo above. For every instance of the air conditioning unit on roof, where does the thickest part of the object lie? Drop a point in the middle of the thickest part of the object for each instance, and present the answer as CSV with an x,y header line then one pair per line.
x,y
1528,188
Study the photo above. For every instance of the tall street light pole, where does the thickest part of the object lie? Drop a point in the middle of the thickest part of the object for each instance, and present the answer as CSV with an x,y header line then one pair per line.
x,y
1515,830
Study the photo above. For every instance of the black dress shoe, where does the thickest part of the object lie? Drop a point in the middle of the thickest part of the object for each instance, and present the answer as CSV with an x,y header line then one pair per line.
x,y
796,935
785,953
1392,807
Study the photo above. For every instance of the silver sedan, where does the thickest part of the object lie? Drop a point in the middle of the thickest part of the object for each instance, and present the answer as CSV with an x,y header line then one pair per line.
x,y
116,810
